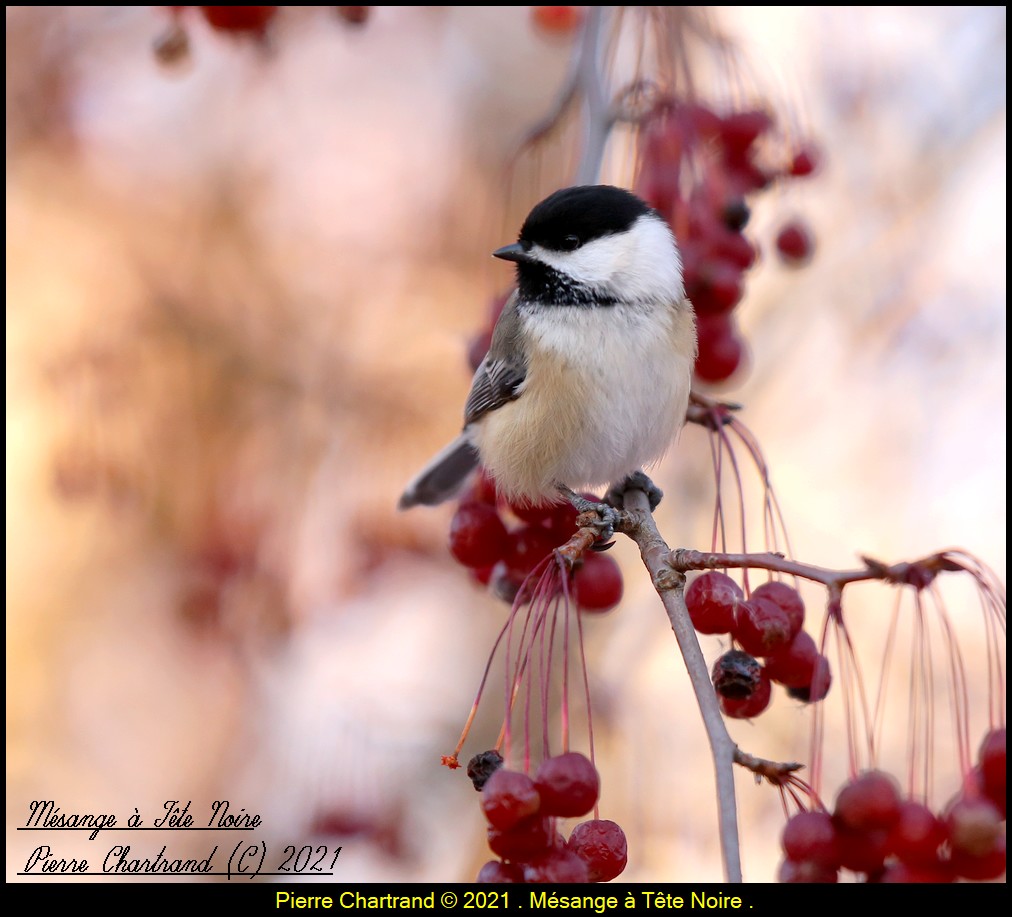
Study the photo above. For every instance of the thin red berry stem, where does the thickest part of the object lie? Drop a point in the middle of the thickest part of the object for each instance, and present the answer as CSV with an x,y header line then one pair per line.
x,y
878,709
586,685
740,490
481,689
565,681
719,524
772,512
852,688
959,695
522,658
546,654
918,697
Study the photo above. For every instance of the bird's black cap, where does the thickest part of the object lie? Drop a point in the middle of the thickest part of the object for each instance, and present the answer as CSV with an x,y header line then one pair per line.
x,y
572,217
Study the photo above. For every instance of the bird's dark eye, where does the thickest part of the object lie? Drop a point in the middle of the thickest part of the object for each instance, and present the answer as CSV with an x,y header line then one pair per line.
x,y
570,243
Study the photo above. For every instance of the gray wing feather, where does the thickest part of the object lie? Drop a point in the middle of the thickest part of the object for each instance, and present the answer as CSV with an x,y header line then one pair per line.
x,y
501,375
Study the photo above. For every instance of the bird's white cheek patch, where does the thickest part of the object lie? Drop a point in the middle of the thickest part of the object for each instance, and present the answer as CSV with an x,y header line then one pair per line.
x,y
641,264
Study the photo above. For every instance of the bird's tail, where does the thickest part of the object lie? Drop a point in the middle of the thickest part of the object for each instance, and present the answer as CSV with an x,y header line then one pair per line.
x,y
443,477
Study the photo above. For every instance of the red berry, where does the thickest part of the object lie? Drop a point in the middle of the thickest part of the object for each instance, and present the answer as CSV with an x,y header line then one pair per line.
x,y
598,583
524,841
736,675
556,865
980,868
740,130
917,835
253,19
795,243
862,851
601,844
761,627
508,798
715,287
701,122
562,519
711,600
559,517
973,825
789,601
498,872
568,785
744,176
904,873
794,665
973,785
720,349
533,513
751,706
528,547
482,575
478,537
805,871
811,837
871,800
805,161
557,20
733,247
663,145
355,15
819,686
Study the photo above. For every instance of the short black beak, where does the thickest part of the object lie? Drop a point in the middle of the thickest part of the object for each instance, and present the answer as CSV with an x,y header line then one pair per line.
x,y
515,252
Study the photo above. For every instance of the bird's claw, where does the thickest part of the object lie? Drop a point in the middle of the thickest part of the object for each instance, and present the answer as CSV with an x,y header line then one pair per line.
x,y
607,517
635,481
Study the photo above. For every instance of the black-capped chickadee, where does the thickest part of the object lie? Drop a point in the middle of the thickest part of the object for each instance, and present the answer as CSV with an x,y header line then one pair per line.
x,y
587,377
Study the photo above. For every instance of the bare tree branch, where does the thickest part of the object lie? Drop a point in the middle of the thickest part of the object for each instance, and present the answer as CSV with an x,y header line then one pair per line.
x,y
638,524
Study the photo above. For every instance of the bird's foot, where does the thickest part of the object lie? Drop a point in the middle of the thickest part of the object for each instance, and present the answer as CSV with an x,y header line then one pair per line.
x,y
607,516
635,481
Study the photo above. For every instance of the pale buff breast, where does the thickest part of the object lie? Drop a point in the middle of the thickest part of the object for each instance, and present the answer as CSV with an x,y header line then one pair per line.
x,y
611,406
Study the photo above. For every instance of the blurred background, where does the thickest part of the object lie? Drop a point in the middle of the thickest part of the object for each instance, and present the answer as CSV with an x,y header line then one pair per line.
x,y
240,291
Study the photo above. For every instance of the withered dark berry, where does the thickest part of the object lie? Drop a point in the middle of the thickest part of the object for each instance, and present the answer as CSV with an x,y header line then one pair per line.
x,y
482,766
736,675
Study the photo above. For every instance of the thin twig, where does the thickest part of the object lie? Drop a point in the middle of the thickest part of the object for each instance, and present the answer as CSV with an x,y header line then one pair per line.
x,y
598,113
918,573
585,79
775,772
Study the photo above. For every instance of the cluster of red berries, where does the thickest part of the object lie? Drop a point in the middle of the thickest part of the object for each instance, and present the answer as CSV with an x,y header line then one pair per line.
x,y
521,812
503,555
768,624
697,167
874,831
